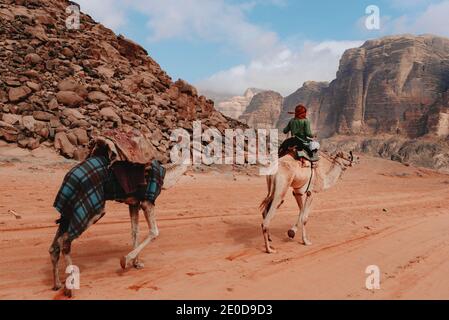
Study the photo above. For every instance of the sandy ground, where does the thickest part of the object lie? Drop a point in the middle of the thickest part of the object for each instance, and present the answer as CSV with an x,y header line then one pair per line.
x,y
382,213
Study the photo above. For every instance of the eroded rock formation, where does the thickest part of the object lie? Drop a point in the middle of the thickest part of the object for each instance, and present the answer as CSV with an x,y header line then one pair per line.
x,y
263,111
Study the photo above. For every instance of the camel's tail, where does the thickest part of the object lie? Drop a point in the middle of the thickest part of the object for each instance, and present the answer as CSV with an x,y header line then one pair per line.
x,y
266,203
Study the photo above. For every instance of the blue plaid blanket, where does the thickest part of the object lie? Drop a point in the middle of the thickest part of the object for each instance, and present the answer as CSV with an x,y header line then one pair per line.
x,y
88,186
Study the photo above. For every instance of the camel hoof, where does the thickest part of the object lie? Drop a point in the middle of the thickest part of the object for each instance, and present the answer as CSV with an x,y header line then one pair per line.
x,y
271,251
291,234
57,287
123,263
68,293
138,265
307,243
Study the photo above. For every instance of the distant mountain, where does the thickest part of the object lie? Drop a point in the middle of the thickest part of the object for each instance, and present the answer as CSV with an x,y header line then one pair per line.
x,y
263,111
234,107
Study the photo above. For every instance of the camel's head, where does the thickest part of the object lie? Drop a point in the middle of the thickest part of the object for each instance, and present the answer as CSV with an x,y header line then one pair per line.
x,y
345,160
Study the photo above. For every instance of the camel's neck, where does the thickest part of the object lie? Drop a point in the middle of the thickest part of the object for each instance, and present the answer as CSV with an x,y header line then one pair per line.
x,y
331,173
173,174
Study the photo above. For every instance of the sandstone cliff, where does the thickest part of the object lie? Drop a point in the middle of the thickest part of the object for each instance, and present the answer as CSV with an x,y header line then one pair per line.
x,y
236,106
392,85
263,111
59,87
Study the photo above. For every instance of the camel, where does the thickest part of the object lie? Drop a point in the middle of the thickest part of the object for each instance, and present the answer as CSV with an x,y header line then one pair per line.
x,y
63,243
304,178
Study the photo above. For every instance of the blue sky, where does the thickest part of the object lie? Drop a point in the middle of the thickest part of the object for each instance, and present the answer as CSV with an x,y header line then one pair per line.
x,y
229,45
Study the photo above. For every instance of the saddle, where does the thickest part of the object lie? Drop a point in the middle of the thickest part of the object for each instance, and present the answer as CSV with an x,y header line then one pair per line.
x,y
300,149
129,153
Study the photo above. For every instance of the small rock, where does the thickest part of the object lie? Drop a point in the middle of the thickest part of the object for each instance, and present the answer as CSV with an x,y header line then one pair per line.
x,y
97,96
42,115
12,118
33,86
109,114
33,58
73,113
29,123
69,98
19,94
81,136
63,144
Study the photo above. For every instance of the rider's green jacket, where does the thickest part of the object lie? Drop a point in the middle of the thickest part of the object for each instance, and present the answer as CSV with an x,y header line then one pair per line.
x,y
299,128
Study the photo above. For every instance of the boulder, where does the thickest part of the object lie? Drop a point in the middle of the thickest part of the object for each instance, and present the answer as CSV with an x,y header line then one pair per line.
x,y
19,94
12,119
63,144
109,113
97,97
69,98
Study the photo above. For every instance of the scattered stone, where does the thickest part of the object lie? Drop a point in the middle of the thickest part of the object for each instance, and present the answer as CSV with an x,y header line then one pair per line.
x,y
69,98
63,144
33,58
19,94
97,96
109,114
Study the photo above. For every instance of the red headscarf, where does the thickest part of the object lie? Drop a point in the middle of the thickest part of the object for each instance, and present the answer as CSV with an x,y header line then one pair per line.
x,y
300,112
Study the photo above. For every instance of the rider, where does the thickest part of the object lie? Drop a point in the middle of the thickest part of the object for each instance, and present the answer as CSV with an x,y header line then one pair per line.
x,y
301,132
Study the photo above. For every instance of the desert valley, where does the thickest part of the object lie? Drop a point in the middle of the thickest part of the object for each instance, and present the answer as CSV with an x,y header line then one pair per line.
x,y
389,104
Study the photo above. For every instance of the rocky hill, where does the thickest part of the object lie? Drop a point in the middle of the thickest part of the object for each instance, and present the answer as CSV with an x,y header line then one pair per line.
x,y
60,87
236,106
263,111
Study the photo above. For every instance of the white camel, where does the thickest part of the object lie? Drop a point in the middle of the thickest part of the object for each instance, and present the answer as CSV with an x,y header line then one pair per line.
x,y
305,179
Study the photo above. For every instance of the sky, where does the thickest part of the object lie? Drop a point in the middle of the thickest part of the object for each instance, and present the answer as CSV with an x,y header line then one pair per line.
x,y
227,46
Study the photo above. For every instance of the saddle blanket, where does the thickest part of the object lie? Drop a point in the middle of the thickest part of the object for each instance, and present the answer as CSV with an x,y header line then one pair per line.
x,y
88,186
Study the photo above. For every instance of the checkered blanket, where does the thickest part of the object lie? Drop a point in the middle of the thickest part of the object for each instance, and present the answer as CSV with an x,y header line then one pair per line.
x,y
88,186
155,181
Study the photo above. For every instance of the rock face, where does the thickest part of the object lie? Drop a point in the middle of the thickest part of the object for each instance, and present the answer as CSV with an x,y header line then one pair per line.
x,y
236,106
61,87
263,111
393,85
425,152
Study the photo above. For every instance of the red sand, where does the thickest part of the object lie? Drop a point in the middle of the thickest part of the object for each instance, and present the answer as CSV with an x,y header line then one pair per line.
x,y
211,245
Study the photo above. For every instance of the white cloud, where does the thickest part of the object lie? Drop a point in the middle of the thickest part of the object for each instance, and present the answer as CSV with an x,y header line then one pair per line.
x,y
217,21
434,20
403,4
283,71
111,13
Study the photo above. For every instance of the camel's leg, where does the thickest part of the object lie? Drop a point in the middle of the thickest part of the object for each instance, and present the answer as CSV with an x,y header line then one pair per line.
x,y
55,251
300,201
134,215
305,218
277,200
66,249
148,209
304,207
